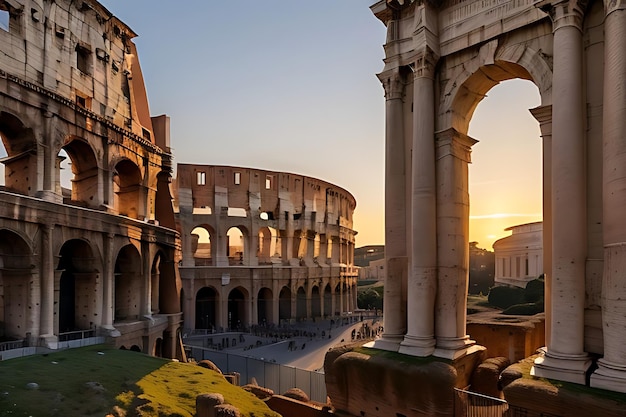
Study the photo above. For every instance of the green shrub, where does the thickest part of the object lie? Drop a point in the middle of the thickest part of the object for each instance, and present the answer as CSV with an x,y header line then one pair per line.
x,y
526,309
504,297
535,290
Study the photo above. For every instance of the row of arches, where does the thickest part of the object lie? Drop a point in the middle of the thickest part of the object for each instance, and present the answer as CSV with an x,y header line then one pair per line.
x,y
86,295
79,173
238,308
268,247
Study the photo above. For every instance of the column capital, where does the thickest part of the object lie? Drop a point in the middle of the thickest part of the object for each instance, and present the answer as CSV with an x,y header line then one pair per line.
x,y
454,143
565,12
613,5
393,83
425,62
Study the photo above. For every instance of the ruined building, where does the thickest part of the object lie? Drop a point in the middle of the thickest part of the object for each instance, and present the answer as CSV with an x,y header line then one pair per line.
x,y
98,259
263,247
441,59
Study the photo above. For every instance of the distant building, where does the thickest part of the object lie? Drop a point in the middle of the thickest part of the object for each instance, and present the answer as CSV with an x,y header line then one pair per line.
x,y
262,247
519,257
371,262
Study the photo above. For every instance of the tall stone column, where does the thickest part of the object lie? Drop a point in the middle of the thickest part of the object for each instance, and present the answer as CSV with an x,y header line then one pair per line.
x,y
543,115
422,279
47,282
611,372
565,358
453,156
394,306
108,277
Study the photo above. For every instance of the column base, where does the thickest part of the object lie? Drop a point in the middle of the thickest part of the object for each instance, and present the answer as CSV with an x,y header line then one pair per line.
x,y
49,341
454,348
386,342
609,376
110,331
569,368
417,346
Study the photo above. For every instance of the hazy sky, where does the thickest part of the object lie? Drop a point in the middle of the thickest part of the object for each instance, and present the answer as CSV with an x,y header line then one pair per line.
x,y
291,86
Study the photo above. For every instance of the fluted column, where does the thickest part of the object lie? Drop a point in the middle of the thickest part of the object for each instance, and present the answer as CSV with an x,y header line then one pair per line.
x,y
611,372
394,306
422,279
565,358
453,156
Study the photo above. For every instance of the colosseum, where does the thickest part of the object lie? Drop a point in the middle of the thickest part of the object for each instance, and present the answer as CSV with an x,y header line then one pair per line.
x,y
95,257
263,247
91,246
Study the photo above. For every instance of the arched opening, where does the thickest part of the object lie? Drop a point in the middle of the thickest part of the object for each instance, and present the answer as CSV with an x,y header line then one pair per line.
x,y
328,301
128,284
127,189
338,298
207,302
201,245
235,246
264,306
164,290
268,245
78,300
301,304
284,304
505,176
158,348
135,348
316,302
20,155
15,278
78,174
237,309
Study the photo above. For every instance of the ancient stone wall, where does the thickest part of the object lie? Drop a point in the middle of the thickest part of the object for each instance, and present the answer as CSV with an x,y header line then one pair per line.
x,y
278,242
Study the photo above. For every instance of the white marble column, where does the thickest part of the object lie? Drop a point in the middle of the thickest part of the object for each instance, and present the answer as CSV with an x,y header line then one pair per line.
x,y
394,306
543,115
565,358
422,278
611,372
453,156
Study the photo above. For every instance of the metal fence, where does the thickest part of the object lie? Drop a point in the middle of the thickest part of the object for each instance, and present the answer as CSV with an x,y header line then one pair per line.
x,y
276,377
471,404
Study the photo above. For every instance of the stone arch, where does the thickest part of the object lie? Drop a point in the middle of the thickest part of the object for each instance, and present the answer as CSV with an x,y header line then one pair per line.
x,y
157,350
462,93
16,263
316,302
301,304
128,283
85,171
284,304
20,164
202,245
79,305
237,245
269,246
207,308
127,186
165,288
264,306
238,308
328,300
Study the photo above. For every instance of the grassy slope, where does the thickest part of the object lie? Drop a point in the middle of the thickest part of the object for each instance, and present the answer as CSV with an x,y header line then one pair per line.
x,y
97,380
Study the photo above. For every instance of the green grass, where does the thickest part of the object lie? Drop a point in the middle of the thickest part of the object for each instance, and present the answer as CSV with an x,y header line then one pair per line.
x,y
98,380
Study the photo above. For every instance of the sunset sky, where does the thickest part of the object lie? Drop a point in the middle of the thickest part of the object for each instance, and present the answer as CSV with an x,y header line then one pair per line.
x,y
291,86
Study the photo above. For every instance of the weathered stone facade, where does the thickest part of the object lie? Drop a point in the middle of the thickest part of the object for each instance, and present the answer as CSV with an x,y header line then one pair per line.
x,y
441,58
295,259
99,259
